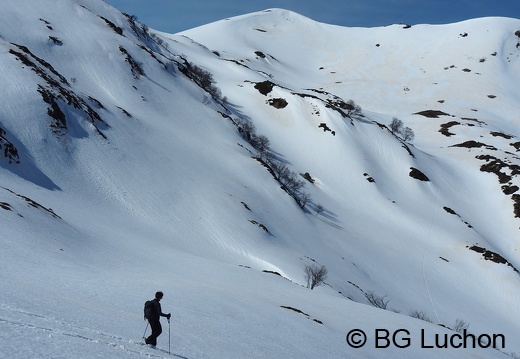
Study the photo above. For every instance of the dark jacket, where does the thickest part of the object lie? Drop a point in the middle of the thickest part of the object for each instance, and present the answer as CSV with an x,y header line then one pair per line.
x,y
158,310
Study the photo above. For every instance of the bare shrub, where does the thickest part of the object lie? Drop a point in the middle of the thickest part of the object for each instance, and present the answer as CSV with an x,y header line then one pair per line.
x,y
247,129
396,125
408,134
288,180
419,314
315,275
203,78
377,300
460,326
260,143
303,198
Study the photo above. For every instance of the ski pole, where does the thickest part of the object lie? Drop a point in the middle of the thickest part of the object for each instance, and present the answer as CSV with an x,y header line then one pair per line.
x,y
145,329
169,336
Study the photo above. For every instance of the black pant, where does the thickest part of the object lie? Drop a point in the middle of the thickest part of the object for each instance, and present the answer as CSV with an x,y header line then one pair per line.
x,y
156,331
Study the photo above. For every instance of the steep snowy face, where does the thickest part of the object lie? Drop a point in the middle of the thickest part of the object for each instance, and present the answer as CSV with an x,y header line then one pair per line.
x,y
453,85
249,147
440,182
449,83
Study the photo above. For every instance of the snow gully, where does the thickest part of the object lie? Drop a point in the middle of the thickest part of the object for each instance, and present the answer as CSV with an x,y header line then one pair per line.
x,y
463,340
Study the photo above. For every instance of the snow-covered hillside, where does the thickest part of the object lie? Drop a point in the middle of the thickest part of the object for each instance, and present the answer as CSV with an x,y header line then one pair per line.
x,y
216,164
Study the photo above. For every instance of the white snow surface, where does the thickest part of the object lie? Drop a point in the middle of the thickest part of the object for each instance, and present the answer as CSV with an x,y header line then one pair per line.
x,y
161,190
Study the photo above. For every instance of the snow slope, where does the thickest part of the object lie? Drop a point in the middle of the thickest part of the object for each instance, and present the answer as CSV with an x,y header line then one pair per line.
x,y
121,176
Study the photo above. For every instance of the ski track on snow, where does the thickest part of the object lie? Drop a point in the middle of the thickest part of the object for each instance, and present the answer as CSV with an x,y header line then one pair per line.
x,y
14,318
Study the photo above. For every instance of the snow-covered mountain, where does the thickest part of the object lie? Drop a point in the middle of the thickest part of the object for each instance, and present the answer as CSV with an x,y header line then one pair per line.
x,y
216,164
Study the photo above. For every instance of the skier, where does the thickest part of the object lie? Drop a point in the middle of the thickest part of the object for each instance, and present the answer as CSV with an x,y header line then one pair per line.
x,y
153,312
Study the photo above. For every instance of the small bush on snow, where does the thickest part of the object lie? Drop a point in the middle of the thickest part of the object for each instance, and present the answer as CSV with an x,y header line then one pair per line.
x,y
419,314
377,300
315,275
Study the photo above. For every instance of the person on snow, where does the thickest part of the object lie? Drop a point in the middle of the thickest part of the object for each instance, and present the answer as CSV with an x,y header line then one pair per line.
x,y
153,313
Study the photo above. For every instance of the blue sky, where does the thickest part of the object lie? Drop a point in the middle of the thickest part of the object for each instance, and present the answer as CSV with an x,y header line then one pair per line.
x,y
178,15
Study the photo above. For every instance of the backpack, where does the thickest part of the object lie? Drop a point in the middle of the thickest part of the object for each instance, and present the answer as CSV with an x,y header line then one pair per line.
x,y
150,312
